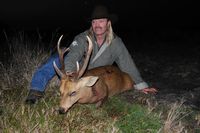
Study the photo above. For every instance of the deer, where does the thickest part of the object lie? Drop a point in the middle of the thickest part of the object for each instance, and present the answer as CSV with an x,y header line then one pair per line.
x,y
92,86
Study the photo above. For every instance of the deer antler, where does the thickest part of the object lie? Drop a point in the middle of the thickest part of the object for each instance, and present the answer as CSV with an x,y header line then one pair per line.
x,y
90,47
61,53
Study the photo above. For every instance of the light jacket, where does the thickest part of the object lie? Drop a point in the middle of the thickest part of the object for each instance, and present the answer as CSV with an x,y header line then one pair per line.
x,y
107,54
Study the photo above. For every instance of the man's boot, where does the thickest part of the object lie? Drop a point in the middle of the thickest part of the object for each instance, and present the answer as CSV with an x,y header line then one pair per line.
x,y
33,96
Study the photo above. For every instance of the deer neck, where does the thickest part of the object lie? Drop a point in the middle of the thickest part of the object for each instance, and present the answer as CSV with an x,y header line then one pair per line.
x,y
85,94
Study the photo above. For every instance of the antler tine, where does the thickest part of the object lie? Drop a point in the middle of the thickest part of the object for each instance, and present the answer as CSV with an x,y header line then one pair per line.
x,y
90,47
61,53
78,67
60,73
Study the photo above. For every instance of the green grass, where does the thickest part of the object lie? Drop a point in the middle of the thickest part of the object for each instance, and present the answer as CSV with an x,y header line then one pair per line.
x,y
133,117
115,116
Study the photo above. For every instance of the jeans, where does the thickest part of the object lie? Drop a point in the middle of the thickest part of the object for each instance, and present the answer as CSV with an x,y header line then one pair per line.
x,y
44,74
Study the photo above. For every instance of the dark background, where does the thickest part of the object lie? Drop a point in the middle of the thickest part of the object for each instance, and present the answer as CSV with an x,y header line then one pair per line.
x,y
156,26
73,14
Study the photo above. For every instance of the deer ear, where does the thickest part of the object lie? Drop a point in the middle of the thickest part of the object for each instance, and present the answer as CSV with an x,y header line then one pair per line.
x,y
89,80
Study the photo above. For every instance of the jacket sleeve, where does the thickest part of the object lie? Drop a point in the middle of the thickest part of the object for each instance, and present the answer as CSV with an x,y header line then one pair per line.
x,y
76,53
127,64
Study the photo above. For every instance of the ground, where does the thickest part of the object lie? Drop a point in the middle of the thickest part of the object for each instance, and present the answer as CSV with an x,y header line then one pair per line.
x,y
174,71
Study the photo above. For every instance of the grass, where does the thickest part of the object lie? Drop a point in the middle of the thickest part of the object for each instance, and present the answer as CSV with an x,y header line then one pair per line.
x,y
116,116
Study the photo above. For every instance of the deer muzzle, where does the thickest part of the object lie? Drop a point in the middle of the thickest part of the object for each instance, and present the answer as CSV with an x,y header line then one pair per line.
x,y
62,110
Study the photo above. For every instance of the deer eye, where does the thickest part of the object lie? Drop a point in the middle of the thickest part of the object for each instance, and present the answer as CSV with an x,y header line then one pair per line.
x,y
72,93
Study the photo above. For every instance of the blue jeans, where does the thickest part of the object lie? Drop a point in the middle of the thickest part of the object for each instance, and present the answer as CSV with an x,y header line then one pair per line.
x,y
44,73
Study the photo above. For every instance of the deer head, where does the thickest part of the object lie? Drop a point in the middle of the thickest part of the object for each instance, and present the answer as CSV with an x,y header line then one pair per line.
x,y
72,86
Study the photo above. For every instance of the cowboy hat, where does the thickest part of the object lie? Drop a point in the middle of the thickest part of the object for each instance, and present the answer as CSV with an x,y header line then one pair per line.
x,y
100,11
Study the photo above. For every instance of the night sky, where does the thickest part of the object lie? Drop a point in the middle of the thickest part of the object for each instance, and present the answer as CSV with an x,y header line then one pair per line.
x,y
73,14
143,20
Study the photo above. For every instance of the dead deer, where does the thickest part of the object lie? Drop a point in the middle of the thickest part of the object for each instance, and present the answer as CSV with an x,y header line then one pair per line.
x,y
91,86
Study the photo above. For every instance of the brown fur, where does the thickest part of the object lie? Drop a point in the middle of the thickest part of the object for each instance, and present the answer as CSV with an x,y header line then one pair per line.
x,y
110,76
92,87
111,81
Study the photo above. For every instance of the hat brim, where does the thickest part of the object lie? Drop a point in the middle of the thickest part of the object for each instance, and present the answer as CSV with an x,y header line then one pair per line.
x,y
112,17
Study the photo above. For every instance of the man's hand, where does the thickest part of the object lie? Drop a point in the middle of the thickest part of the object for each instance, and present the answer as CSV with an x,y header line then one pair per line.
x,y
149,90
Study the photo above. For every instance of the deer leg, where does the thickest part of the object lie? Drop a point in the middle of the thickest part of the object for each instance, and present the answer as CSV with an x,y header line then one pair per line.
x,y
100,103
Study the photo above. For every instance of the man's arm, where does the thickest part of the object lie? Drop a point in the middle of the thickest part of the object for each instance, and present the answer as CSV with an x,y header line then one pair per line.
x,y
127,64
77,49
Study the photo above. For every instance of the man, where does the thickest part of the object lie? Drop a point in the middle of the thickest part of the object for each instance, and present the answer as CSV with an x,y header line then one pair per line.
x,y
107,49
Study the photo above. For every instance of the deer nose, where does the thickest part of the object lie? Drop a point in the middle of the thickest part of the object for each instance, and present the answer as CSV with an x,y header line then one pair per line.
x,y
61,110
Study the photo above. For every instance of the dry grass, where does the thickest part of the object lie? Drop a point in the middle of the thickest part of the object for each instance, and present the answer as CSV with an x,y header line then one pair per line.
x,y
43,117
173,122
17,117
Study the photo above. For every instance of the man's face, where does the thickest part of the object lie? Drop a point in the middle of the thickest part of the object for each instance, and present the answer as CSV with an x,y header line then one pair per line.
x,y
99,26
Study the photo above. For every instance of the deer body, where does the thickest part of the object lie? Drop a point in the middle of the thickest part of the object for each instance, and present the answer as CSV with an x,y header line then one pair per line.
x,y
110,78
92,86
